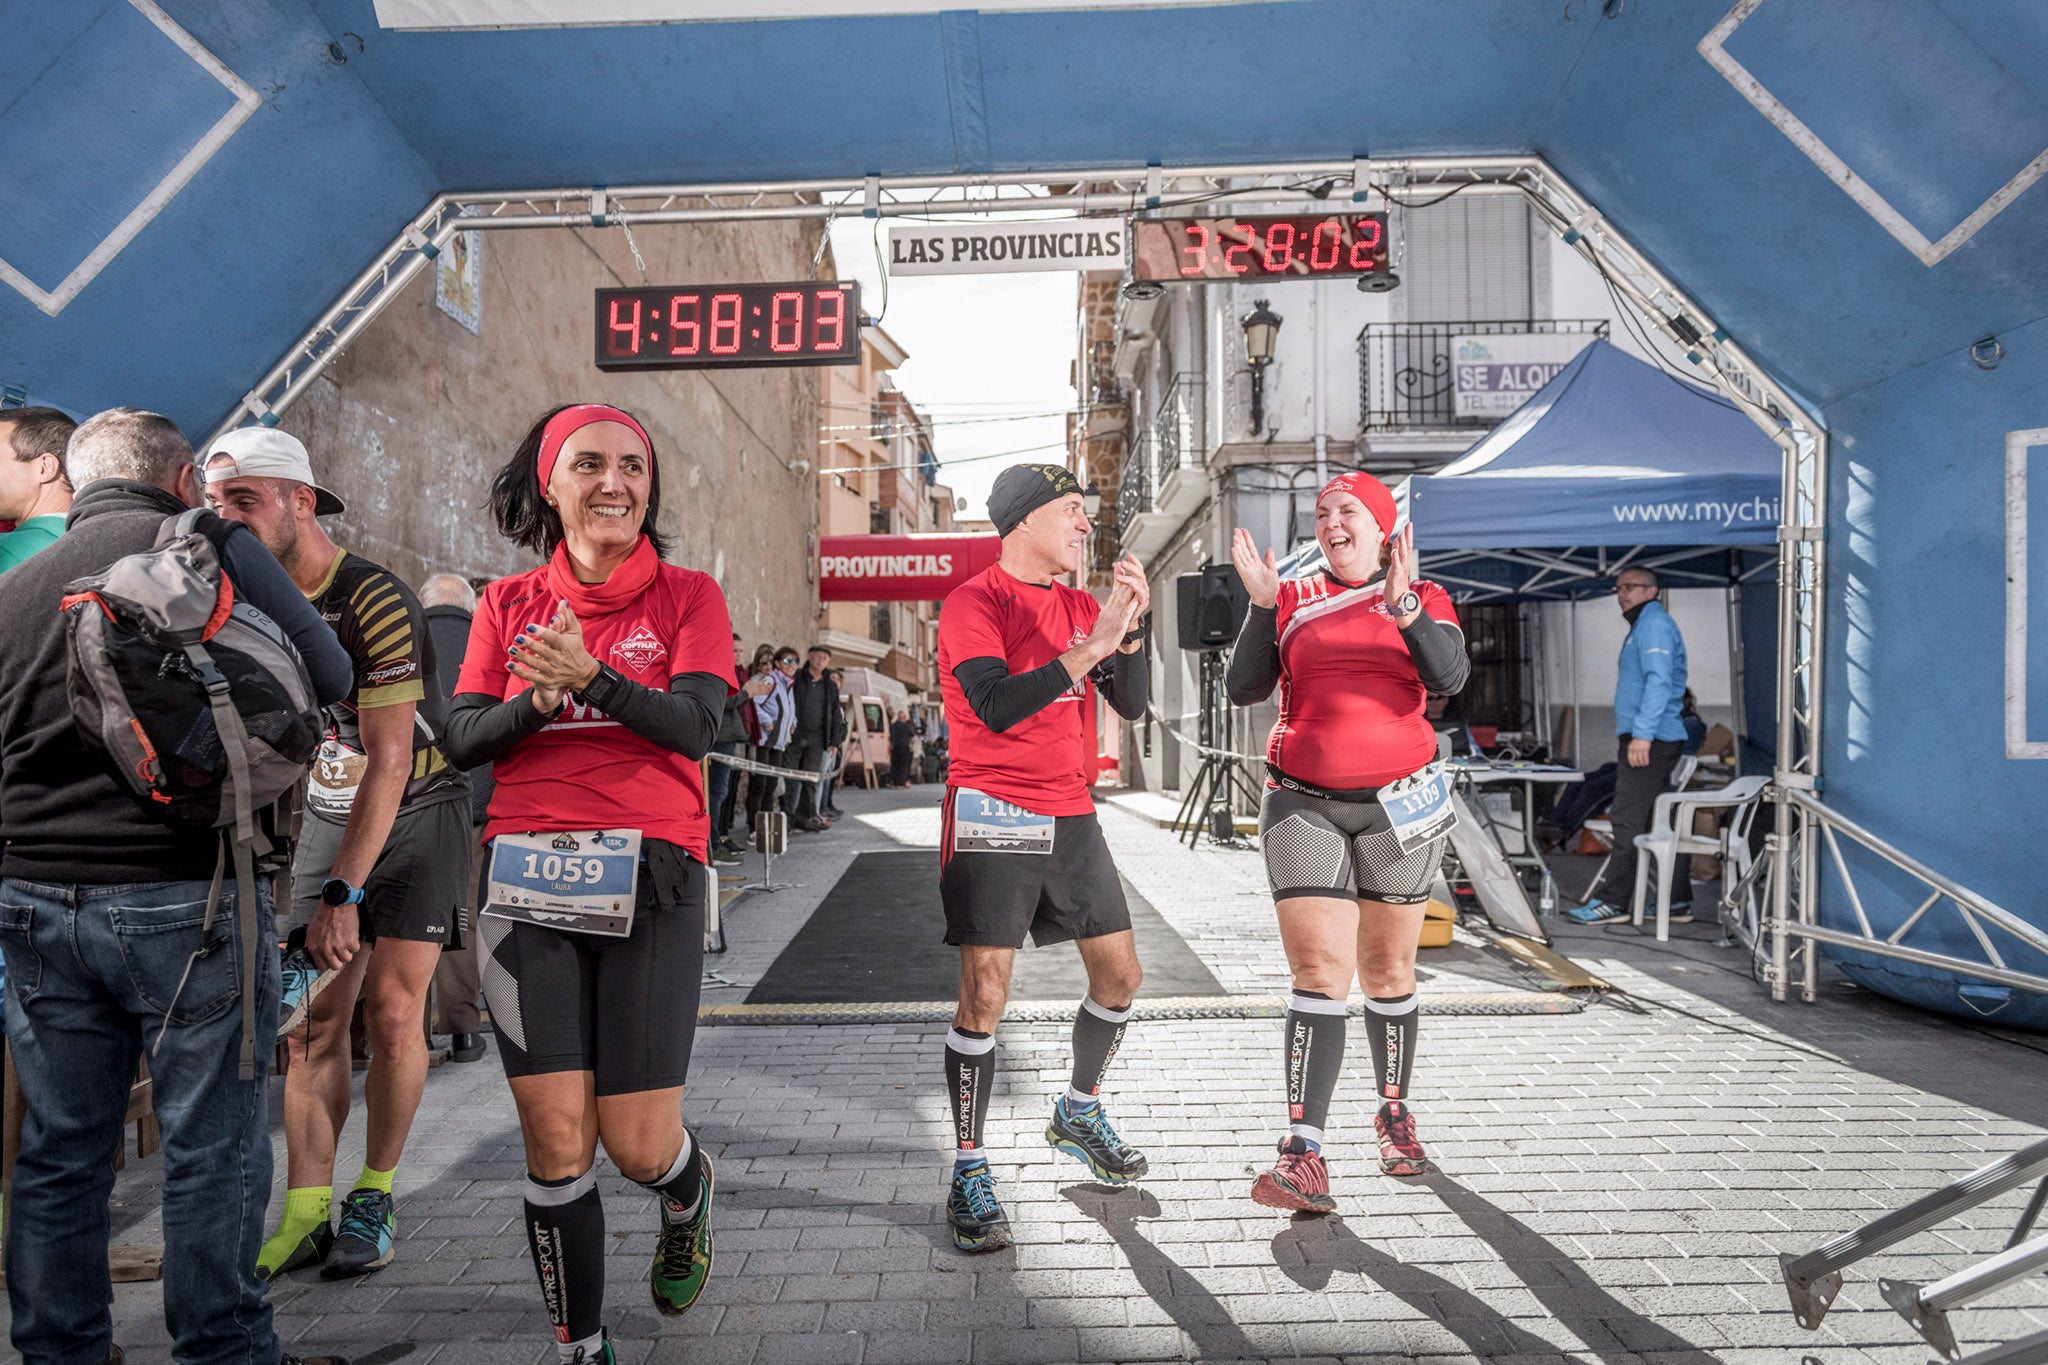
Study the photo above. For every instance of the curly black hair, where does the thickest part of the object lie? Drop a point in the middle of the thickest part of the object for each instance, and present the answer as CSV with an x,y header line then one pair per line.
x,y
520,507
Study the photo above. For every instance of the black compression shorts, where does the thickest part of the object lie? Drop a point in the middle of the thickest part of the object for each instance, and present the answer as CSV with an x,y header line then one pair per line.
x,y
418,885
1314,846
994,899
624,1008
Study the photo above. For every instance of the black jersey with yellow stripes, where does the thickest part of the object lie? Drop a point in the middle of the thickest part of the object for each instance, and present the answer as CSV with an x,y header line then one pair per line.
x,y
384,629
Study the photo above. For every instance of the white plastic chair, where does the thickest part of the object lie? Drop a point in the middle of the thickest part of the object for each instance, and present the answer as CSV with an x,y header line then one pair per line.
x,y
1671,838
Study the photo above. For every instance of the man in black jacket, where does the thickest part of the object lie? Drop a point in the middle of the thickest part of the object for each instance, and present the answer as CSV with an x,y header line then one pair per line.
x,y
450,605
101,908
820,730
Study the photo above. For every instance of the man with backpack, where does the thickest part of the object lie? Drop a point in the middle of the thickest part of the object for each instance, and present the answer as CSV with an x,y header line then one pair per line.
x,y
380,869
111,951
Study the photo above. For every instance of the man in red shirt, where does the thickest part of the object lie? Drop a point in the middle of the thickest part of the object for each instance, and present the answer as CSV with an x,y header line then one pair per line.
x,y
1020,659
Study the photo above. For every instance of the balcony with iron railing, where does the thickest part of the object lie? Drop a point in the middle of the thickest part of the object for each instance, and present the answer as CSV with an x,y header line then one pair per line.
x,y
1407,375
1177,426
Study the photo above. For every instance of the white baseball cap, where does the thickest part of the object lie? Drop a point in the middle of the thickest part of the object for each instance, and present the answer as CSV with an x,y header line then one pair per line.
x,y
267,453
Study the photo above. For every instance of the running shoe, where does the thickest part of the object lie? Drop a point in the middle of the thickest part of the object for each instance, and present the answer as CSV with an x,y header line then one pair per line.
x,y
1087,1134
979,1223
1597,912
1298,1181
366,1240
604,1354
682,1253
725,855
313,1249
303,982
1400,1149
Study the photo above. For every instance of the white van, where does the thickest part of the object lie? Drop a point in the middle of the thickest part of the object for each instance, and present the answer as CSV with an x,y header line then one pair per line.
x,y
872,700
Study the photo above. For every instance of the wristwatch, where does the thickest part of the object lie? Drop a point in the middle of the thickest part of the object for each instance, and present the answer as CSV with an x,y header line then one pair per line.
x,y
1404,604
1137,632
337,892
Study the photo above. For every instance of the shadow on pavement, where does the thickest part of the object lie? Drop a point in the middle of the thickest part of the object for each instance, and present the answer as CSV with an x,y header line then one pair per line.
x,y
1180,1296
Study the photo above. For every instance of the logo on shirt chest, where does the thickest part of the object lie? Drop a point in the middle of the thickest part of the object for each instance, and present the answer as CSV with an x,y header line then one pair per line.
x,y
640,650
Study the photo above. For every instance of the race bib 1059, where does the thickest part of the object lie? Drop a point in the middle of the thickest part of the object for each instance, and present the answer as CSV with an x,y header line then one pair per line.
x,y
578,881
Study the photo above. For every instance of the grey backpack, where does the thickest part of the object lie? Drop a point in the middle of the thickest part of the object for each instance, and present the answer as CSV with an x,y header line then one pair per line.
x,y
200,702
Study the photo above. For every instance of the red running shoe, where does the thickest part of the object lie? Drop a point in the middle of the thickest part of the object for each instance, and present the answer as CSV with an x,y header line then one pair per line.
x,y
1299,1180
1400,1149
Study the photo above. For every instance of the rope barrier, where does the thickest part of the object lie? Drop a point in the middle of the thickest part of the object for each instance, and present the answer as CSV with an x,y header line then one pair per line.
x,y
1185,738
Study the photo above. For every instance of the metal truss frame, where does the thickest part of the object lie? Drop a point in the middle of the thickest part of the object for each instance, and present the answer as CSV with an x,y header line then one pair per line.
x,y
1136,190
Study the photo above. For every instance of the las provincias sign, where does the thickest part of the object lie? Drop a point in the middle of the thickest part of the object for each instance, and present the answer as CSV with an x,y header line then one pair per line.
x,y
992,248
913,568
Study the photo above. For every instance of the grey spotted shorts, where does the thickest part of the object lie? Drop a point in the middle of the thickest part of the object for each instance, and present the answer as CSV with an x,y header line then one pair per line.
x,y
1319,847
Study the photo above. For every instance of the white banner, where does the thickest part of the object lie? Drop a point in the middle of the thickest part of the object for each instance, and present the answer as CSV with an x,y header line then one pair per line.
x,y
1491,376
991,248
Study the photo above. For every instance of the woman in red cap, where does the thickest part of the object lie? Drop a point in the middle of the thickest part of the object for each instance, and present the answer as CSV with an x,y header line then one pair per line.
x,y
594,685
1356,807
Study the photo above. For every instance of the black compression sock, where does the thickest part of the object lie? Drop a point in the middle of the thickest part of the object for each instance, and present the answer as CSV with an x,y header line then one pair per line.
x,y
1390,1024
565,1233
1098,1032
1314,1046
970,1075
683,1185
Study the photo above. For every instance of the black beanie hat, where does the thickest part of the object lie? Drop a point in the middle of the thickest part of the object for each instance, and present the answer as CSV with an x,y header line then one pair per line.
x,y
1024,488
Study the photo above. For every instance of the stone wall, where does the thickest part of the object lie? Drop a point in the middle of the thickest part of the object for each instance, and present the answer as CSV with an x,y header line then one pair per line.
x,y
412,422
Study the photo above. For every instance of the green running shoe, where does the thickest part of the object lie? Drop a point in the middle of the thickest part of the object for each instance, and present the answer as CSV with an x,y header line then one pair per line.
x,y
1089,1136
682,1254
367,1239
979,1223
311,1250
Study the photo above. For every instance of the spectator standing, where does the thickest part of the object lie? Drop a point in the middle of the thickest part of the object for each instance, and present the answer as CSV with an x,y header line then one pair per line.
x,y
1649,689
34,492
450,605
102,923
902,735
732,737
775,716
835,774
820,730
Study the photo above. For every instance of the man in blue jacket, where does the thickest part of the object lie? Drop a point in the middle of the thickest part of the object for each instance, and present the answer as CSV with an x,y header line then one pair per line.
x,y
1648,688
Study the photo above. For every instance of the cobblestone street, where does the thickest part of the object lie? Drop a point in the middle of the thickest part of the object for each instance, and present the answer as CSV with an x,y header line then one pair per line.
x,y
1614,1184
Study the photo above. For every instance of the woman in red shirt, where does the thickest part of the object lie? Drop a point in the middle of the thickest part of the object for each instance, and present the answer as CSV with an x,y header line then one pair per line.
x,y
594,685
1352,824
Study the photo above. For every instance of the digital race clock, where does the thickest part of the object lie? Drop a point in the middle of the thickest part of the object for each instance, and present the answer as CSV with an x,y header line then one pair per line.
x,y
1278,247
700,326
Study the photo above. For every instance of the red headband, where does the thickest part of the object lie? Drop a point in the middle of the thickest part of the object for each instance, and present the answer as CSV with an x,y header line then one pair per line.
x,y
1369,491
571,420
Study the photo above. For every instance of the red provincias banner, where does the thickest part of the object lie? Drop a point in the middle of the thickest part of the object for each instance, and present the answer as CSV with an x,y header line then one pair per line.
x,y
915,568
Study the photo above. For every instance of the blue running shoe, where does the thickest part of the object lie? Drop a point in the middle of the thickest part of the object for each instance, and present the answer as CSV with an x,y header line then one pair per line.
x,y
303,983
365,1240
1597,912
979,1223
1087,1134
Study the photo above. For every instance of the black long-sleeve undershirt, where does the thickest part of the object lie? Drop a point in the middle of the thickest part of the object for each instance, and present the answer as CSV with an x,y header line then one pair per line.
x,y
684,719
1437,647
1002,698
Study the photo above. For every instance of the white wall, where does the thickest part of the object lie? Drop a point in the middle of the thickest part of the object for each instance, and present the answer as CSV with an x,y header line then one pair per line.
x,y
1579,663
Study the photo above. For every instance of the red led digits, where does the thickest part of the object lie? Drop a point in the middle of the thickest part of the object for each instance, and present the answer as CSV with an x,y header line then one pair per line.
x,y
680,327
1247,246
1366,244
624,330
1328,234
786,322
829,321
725,321
1196,250
1279,253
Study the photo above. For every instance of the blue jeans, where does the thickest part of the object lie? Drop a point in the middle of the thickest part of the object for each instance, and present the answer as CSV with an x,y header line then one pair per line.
x,y
92,974
723,787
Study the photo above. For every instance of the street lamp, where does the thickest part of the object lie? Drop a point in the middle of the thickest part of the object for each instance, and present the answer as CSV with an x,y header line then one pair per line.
x,y
1091,500
1261,333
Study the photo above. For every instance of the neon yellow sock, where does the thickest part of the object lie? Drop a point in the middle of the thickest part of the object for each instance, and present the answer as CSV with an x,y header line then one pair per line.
x,y
305,1210
376,1180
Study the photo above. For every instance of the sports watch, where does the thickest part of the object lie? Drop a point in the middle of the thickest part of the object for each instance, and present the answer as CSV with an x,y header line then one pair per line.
x,y
337,892
1407,602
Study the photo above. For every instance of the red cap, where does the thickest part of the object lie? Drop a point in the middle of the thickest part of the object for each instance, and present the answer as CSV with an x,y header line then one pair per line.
x,y
573,419
1369,491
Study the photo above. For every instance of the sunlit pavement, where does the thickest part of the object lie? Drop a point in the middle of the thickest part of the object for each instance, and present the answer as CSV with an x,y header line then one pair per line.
x,y
1614,1184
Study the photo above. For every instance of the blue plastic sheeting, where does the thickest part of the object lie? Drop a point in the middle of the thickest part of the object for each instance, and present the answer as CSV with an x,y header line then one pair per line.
x,y
1612,451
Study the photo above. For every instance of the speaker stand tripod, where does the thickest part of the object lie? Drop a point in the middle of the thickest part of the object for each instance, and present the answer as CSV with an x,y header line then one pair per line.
x,y
1220,777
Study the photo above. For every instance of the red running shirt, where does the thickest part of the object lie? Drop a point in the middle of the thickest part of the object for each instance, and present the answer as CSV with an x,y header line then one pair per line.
x,y
586,770
1351,707
1045,762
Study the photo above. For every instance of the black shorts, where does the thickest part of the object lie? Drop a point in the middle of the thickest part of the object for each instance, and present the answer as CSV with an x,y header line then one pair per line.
x,y
1314,846
624,1008
418,885
993,899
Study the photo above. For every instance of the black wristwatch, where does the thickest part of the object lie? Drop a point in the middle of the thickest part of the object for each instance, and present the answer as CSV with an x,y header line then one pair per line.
x,y
337,892
1137,632
1404,604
